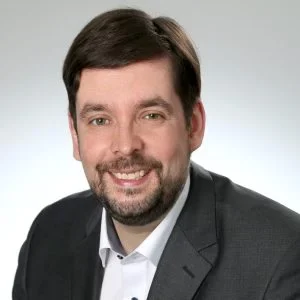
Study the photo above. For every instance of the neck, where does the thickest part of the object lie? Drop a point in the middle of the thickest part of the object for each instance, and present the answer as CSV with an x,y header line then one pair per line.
x,y
132,236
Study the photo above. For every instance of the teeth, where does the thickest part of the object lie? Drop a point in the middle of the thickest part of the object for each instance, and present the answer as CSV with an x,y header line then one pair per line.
x,y
130,176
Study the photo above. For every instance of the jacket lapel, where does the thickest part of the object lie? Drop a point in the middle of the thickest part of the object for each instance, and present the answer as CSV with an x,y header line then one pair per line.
x,y
192,247
87,272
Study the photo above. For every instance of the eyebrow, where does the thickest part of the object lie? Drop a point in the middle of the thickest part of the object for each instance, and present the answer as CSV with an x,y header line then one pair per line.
x,y
157,101
91,108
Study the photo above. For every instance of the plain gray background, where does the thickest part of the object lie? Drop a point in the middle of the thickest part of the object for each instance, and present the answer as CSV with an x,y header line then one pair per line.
x,y
250,63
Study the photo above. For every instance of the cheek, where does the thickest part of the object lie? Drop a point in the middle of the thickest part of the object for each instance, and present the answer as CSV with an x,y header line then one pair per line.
x,y
92,150
172,149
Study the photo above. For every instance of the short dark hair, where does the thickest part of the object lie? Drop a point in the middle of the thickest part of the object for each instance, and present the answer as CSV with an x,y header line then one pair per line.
x,y
124,36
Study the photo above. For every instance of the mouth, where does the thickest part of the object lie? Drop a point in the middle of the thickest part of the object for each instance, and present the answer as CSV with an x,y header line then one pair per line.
x,y
130,178
130,175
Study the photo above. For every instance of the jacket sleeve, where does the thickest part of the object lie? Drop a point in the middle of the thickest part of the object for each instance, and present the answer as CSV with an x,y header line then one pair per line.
x,y
19,291
285,282
19,287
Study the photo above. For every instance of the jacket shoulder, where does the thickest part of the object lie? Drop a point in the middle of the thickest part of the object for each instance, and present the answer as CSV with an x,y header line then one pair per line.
x,y
254,212
70,207
53,236
65,222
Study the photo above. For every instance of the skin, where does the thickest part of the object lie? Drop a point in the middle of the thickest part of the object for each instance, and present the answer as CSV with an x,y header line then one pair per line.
x,y
130,119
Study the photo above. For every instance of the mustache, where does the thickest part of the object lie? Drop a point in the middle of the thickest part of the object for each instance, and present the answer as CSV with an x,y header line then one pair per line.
x,y
135,160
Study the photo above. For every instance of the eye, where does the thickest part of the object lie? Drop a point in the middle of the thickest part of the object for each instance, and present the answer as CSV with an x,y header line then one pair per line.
x,y
100,122
153,116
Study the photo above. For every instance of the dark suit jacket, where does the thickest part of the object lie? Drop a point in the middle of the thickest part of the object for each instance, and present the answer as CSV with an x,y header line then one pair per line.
x,y
228,243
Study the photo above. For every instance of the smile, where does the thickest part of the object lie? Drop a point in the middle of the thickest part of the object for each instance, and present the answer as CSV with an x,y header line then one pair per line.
x,y
130,176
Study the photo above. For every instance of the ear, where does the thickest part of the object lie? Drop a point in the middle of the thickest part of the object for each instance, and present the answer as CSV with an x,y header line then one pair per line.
x,y
197,126
74,135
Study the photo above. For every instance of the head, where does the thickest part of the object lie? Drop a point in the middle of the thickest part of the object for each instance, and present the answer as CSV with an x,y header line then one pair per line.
x,y
135,113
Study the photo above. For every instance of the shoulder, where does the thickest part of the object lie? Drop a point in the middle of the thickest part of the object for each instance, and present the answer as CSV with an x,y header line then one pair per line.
x,y
249,205
66,220
240,209
54,234
73,207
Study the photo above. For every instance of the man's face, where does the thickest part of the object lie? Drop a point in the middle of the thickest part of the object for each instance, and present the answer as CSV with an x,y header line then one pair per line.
x,y
132,138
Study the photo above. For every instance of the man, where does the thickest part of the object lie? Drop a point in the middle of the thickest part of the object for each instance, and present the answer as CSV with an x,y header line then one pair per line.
x,y
154,225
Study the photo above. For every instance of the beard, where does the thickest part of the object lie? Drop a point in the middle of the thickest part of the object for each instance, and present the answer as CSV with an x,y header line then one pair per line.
x,y
152,206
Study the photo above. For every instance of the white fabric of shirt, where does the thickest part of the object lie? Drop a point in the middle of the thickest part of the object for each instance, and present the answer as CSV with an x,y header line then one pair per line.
x,y
130,277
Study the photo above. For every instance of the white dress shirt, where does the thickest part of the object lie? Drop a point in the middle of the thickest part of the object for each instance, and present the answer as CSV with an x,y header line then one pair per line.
x,y
130,277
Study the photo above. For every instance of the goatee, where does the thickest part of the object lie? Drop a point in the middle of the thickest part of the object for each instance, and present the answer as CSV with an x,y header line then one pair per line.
x,y
149,209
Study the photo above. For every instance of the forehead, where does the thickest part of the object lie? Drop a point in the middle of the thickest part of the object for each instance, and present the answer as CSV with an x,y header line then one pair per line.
x,y
146,79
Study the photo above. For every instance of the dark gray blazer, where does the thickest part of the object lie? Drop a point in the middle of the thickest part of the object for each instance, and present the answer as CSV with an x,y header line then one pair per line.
x,y
228,243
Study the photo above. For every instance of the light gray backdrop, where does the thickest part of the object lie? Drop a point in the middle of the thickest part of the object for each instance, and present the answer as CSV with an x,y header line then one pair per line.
x,y
250,66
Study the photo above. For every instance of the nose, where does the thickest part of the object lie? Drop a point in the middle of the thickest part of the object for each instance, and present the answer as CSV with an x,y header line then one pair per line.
x,y
126,140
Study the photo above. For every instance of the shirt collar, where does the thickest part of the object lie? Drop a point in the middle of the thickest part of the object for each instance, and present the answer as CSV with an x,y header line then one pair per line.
x,y
153,246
